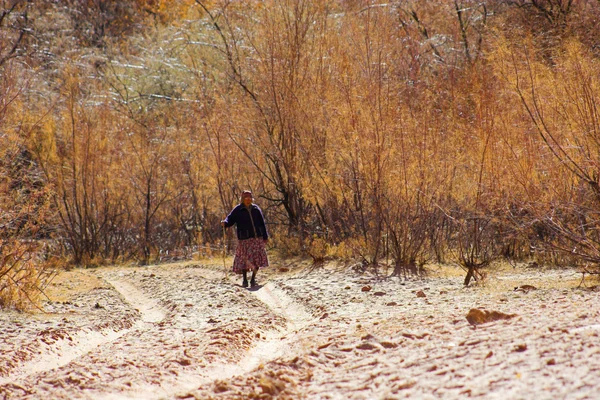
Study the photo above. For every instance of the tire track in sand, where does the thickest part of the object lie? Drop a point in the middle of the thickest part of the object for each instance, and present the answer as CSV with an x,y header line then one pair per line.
x,y
65,350
150,310
277,343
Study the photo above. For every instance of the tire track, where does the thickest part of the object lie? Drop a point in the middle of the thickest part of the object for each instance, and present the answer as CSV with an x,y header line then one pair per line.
x,y
64,350
150,310
92,346
276,344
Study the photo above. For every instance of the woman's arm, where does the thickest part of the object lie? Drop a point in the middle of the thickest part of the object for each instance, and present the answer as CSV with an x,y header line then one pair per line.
x,y
231,219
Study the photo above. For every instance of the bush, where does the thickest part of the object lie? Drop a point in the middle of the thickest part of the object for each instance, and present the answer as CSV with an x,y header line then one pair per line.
x,y
318,249
23,274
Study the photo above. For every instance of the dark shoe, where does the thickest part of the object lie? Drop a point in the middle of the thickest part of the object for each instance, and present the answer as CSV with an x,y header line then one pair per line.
x,y
253,283
245,283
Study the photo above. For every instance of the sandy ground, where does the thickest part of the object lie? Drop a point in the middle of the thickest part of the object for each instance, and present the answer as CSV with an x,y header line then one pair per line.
x,y
186,331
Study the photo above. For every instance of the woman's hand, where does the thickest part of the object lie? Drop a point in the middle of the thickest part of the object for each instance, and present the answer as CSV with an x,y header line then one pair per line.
x,y
223,223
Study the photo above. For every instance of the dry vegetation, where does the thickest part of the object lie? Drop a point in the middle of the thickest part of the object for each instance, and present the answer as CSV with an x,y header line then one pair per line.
x,y
398,131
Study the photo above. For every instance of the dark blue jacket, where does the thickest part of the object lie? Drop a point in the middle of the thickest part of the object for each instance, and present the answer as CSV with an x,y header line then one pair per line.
x,y
240,216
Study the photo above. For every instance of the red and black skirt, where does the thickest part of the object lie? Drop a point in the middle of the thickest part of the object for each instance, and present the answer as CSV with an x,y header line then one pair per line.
x,y
250,255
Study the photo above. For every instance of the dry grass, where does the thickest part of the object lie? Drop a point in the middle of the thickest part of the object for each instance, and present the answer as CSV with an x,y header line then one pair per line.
x,y
502,277
68,284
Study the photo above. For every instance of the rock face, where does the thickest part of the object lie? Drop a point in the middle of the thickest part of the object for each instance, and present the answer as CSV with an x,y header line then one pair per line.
x,y
476,316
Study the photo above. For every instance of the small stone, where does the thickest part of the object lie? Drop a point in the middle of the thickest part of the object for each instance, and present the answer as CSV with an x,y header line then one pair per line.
x,y
551,361
476,316
525,288
366,346
391,304
368,336
421,293
521,347
366,288
379,294
185,395
324,346
221,386
184,362
404,385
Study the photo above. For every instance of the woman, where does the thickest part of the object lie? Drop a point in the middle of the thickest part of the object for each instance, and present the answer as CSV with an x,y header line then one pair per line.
x,y
252,236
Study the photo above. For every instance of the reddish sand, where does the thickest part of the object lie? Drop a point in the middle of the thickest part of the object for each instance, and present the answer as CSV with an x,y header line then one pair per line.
x,y
186,331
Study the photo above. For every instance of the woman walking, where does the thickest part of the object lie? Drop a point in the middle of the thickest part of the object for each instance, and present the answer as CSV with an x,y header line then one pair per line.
x,y
252,236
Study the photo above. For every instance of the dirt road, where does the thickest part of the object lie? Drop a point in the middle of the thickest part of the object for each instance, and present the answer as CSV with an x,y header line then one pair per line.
x,y
185,331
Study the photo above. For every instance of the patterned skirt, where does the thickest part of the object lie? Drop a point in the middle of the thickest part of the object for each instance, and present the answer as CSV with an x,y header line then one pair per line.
x,y
250,255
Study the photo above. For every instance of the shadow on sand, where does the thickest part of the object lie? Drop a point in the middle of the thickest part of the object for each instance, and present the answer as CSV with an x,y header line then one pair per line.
x,y
250,289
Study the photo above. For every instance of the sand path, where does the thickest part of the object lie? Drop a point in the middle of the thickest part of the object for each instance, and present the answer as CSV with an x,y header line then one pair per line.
x,y
187,331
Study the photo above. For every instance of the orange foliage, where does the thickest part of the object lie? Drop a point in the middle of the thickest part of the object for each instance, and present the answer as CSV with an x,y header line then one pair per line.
x,y
410,131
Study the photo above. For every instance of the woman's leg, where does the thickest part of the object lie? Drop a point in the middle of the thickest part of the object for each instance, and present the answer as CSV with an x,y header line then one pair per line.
x,y
245,281
253,279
